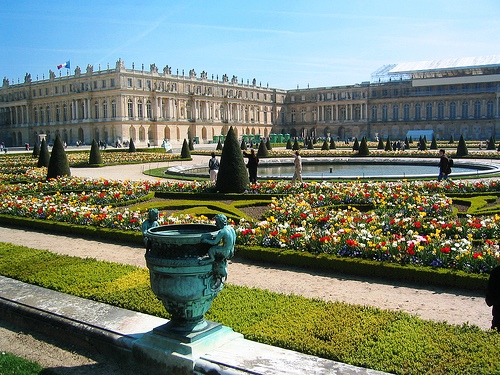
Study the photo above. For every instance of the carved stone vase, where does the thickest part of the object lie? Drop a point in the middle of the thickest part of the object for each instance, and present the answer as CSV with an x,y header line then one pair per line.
x,y
181,277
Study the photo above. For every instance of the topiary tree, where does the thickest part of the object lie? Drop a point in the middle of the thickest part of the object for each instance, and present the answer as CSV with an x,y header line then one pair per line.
x,y
332,144
388,145
233,174
325,146
462,147
296,146
498,149
243,145
131,146
219,145
58,163
289,144
185,153
44,158
310,145
36,150
422,144
268,145
434,145
363,148
355,146
380,145
491,144
262,151
407,144
451,140
95,157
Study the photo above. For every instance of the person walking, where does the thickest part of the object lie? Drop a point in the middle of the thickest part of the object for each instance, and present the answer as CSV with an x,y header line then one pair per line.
x,y
213,168
444,166
297,175
493,297
252,164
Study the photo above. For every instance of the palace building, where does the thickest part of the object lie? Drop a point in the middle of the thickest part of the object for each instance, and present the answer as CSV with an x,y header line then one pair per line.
x,y
448,97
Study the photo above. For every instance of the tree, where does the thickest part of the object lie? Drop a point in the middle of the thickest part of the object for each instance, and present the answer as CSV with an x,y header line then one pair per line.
x,y
185,153
268,145
191,144
233,174
296,146
332,144
380,145
262,151
310,144
289,144
95,157
44,158
388,145
407,144
243,145
58,163
451,140
131,146
355,146
491,144
325,146
434,145
363,148
219,145
462,147
36,150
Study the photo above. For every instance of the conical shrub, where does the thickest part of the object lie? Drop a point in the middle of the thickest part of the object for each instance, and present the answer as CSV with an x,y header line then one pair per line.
x,y
491,144
355,146
289,144
131,146
233,174
332,144
219,145
36,150
58,163
310,145
380,145
363,148
325,146
44,158
296,146
407,144
388,145
262,151
95,157
243,145
185,153
434,145
462,147
191,144
451,140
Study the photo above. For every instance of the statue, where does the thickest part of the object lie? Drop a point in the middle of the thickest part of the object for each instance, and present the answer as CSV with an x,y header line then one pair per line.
x,y
223,248
151,222
153,68
167,70
27,78
52,75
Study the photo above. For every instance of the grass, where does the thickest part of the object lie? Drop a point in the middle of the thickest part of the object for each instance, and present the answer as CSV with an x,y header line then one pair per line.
x,y
13,365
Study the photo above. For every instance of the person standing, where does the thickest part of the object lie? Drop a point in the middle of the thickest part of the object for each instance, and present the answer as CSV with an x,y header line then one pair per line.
x,y
297,175
493,297
213,168
444,166
252,164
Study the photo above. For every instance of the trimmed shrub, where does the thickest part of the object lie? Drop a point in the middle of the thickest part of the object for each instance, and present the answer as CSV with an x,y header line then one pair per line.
x,y
407,144
332,144
310,145
363,148
233,174
58,163
262,151
185,153
434,145
462,147
380,145
326,146
388,145
191,144
243,145
355,146
491,144
44,158
131,146
95,157
289,144
36,150
451,140
296,146
219,145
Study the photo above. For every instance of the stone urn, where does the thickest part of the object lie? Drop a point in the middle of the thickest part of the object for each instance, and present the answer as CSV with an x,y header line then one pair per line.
x,y
182,276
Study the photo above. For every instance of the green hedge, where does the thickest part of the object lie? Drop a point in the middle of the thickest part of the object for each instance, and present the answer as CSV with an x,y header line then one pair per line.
x,y
359,335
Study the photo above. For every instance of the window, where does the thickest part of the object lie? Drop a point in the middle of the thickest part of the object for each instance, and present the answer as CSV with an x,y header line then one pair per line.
x,y
149,113
395,113
113,109
465,110
292,116
428,112
374,113
130,108
96,110
58,113
36,115
477,109
56,89
65,113
46,91
384,113
406,112
139,109
48,114
95,85
490,109
303,115
418,112
453,111
112,82
139,83
148,84
440,111
105,109
103,83
129,82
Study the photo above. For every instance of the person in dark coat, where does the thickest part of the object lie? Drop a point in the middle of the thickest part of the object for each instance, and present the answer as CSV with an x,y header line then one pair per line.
x,y
444,166
252,164
493,297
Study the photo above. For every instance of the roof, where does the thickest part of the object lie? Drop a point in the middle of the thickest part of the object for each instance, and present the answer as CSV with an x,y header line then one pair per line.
x,y
447,64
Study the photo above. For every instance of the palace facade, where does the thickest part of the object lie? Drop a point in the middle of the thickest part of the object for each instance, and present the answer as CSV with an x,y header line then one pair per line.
x,y
451,97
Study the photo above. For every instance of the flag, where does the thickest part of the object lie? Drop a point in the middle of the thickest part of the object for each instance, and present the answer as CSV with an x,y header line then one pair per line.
x,y
65,65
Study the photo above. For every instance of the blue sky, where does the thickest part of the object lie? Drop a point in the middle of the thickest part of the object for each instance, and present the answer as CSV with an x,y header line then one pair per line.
x,y
283,43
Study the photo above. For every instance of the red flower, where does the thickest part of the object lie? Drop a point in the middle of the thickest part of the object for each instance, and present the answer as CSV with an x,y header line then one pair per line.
x,y
417,224
445,250
296,235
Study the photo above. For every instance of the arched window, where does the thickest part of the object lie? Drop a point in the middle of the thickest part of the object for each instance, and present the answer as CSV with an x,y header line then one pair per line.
x,y
384,113
113,109
130,108
418,112
465,110
48,113
440,110
406,114
105,109
58,113
395,113
477,109
36,115
149,113
490,112
453,111
374,113
65,112
96,109
428,111
139,109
